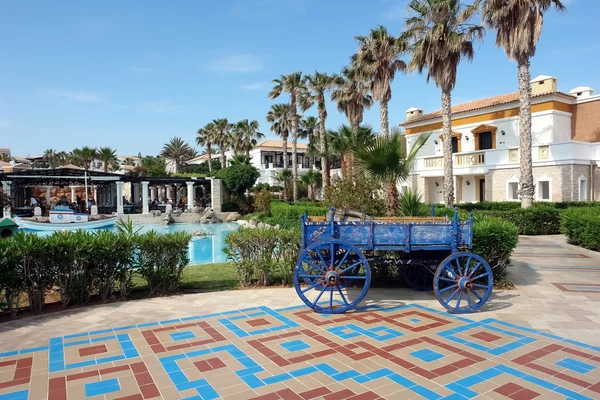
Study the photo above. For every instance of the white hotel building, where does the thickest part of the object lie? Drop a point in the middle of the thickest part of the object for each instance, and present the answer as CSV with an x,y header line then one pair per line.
x,y
485,141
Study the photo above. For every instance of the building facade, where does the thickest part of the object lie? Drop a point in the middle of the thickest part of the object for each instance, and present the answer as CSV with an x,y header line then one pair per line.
x,y
485,146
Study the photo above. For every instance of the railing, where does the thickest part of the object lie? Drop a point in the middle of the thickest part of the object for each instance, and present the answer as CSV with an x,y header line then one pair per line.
x,y
469,159
434,162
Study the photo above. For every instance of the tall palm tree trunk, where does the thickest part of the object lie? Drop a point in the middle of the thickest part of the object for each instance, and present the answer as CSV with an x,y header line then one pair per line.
x,y
294,150
391,200
525,161
323,149
209,152
447,144
384,118
285,155
223,159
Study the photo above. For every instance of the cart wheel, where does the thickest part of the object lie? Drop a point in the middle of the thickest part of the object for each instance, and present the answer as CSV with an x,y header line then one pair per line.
x,y
332,276
418,276
463,282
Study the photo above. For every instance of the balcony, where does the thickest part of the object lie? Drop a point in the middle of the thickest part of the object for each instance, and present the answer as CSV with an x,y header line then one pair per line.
x,y
469,159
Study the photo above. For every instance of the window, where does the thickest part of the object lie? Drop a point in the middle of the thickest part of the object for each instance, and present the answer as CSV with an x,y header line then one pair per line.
x,y
512,191
454,144
485,140
543,190
583,189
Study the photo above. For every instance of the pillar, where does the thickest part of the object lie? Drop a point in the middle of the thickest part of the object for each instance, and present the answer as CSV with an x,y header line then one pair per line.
x,y
216,195
190,195
169,190
177,194
95,193
119,197
145,208
72,193
48,193
152,193
6,188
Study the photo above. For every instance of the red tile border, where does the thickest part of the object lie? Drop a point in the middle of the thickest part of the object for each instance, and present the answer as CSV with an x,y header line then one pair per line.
x,y
22,373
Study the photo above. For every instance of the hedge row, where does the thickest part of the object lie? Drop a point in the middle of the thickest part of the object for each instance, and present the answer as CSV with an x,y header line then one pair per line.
x,y
287,216
582,227
81,264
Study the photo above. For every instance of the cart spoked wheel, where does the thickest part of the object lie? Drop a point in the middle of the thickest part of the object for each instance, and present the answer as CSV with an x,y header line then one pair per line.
x,y
418,276
463,282
332,276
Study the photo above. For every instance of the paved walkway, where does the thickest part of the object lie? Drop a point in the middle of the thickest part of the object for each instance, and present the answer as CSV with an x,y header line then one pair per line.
x,y
539,341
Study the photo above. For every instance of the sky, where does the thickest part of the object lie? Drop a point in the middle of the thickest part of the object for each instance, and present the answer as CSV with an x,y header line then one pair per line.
x,y
131,75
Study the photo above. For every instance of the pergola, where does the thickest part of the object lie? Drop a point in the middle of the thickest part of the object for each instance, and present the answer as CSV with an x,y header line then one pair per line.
x,y
108,187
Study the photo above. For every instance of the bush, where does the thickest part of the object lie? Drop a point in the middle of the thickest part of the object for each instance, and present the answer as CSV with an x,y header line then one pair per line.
x,y
357,195
262,201
410,204
239,177
161,259
582,227
260,255
11,278
495,239
230,206
538,220
32,252
287,216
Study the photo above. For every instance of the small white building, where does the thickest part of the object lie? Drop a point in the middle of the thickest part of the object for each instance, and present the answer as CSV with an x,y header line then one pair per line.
x,y
485,143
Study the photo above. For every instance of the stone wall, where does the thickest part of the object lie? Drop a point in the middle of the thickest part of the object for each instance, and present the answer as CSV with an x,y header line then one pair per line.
x,y
584,121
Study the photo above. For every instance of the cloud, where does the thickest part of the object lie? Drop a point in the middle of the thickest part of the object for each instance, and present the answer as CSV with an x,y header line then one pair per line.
x,y
255,86
82,97
163,107
240,63
141,70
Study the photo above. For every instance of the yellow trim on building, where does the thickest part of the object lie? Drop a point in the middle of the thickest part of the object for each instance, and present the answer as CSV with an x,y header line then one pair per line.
x,y
511,112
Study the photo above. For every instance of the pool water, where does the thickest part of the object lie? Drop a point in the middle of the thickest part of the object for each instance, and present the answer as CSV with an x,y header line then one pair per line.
x,y
203,249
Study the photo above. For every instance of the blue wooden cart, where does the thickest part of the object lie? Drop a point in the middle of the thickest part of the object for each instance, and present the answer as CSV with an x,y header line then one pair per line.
x,y
333,275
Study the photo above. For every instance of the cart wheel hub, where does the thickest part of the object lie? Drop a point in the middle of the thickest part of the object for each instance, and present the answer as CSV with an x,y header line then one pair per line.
x,y
465,283
332,278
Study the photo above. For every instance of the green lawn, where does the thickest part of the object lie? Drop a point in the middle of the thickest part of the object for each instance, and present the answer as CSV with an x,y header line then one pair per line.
x,y
205,278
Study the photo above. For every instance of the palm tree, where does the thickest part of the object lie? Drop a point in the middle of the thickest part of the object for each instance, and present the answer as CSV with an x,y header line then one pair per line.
x,y
279,117
129,161
50,157
377,62
284,177
316,86
345,140
294,85
519,26
178,151
384,161
108,156
311,179
439,35
83,157
206,138
222,137
309,129
247,132
240,159
352,96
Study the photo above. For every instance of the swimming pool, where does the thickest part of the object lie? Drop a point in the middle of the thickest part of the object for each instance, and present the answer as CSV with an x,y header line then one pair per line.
x,y
203,249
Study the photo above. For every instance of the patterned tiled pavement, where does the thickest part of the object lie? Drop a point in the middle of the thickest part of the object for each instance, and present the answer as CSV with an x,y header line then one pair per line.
x,y
540,341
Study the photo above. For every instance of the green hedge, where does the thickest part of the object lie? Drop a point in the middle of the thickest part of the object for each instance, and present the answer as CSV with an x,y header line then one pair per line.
x,y
81,264
287,216
582,227
495,239
538,220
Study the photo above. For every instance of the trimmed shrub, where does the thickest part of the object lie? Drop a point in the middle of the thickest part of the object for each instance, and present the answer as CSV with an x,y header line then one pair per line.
x,y
239,177
582,227
495,239
538,220
287,216
11,278
260,255
161,259
32,252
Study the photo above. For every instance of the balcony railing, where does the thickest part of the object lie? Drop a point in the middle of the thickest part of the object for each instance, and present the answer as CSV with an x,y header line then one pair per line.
x,y
469,159
434,162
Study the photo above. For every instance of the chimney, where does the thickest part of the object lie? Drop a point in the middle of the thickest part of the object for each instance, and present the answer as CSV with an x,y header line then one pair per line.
x,y
543,84
582,92
413,113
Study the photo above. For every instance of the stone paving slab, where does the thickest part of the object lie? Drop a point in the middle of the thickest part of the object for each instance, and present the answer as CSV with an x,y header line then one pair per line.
x,y
541,340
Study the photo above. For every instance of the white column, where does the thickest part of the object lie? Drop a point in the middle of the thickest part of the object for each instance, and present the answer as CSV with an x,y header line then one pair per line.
x,y
72,193
48,189
177,194
190,195
169,190
95,194
119,197
6,188
152,193
145,209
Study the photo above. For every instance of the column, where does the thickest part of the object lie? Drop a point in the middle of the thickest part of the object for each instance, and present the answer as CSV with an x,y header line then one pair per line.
x,y
152,193
95,193
169,190
190,195
145,209
6,188
73,193
119,197
48,189
216,195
